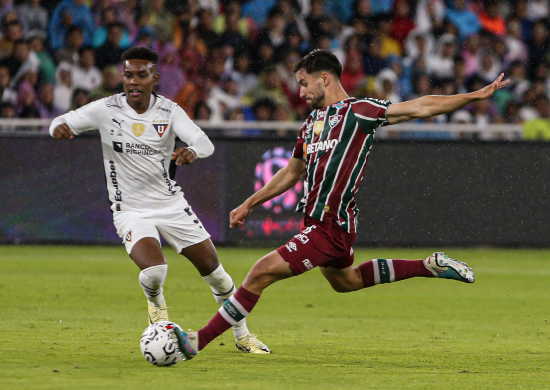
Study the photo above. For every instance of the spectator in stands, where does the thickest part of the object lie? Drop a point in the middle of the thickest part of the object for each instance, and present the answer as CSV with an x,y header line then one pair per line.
x,y
274,33
223,97
27,106
46,67
161,20
63,89
269,87
85,74
8,110
418,45
263,57
80,98
388,45
232,36
374,62
466,21
67,13
110,52
387,86
241,74
518,82
402,24
108,17
489,65
441,64
112,83
516,48
314,19
490,20
73,42
33,16
201,112
538,44
172,76
537,9
47,107
12,32
430,15
206,33
8,94
353,75
232,7
145,38
21,61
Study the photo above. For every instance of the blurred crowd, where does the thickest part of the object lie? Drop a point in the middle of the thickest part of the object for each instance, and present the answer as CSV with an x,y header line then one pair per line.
x,y
232,59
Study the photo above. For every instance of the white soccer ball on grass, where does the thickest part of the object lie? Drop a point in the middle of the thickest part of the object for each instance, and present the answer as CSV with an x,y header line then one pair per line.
x,y
159,344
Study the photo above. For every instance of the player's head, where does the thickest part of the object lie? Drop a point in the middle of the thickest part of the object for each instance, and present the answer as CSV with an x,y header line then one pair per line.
x,y
140,73
318,73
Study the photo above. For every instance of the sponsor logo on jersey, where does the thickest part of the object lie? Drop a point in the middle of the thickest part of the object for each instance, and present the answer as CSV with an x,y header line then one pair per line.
x,y
302,237
114,181
129,236
138,129
308,129
334,119
321,146
307,264
340,105
164,109
113,105
117,147
118,123
318,127
161,128
291,247
321,114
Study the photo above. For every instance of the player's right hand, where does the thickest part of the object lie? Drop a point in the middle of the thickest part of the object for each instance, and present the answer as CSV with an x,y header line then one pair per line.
x,y
63,131
237,216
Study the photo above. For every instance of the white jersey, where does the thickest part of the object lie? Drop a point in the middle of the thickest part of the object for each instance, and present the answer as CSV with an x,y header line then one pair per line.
x,y
137,148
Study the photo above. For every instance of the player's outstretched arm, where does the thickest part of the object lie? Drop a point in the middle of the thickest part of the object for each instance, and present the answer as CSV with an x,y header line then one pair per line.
x,y
433,105
283,180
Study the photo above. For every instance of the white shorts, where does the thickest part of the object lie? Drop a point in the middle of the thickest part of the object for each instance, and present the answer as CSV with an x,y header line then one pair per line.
x,y
178,224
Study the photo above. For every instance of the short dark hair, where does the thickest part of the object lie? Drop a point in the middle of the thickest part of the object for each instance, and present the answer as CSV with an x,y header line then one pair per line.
x,y
140,53
319,60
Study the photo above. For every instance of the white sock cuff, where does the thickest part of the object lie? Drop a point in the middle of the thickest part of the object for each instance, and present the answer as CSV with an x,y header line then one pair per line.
x,y
153,277
216,274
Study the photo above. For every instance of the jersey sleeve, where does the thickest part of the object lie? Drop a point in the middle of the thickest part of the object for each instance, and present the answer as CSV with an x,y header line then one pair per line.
x,y
85,118
184,127
298,151
370,113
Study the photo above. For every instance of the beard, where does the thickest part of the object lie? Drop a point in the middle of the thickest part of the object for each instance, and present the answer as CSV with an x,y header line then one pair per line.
x,y
316,101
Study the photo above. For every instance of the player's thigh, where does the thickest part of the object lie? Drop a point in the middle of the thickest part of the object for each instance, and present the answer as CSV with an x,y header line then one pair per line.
x,y
203,256
268,270
147,253
180,227
132,227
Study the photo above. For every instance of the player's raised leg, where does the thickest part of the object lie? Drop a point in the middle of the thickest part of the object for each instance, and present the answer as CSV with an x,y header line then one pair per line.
x,y
148,256
381,271
268,270
204,257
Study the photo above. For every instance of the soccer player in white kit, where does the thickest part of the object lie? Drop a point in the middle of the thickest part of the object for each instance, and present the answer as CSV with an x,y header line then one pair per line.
x,y
138,130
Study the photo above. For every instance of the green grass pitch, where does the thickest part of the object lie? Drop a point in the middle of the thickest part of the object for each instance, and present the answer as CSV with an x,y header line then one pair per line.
x,y
71,318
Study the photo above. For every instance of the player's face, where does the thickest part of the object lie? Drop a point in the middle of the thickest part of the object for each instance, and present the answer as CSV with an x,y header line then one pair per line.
x,y
311,88
140,76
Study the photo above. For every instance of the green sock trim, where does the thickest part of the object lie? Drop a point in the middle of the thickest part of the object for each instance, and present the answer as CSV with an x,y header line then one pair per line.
x,y
384,271
232,311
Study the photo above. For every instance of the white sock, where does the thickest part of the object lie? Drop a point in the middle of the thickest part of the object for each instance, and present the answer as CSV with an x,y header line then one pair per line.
x,y
222,286
151,280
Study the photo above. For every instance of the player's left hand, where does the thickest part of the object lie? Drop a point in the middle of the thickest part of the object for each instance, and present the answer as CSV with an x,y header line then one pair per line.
x,y
184,156
488,91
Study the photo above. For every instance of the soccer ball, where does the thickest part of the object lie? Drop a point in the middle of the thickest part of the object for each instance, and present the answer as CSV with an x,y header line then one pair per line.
x,y
159,344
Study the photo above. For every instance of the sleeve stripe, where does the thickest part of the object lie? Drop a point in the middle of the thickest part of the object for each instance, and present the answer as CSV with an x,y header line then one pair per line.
x,y
371,103
365,117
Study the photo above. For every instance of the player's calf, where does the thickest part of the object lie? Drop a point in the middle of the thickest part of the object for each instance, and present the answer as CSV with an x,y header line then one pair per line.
x,y
151,280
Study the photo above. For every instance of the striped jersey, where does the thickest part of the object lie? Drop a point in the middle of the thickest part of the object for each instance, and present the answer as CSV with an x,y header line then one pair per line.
x,y
335,142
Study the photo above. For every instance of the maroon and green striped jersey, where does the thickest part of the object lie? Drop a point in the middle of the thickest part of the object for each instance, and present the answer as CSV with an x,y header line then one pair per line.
x,y
335,142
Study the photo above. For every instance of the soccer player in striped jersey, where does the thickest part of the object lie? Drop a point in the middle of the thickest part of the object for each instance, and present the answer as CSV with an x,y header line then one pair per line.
x,y
332,151
138,131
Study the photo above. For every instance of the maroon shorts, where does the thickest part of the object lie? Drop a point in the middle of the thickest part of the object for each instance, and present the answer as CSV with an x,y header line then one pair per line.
x,y
319,244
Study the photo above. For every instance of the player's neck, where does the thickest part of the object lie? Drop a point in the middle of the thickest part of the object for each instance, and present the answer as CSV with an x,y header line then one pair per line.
x,y
142,106
335,96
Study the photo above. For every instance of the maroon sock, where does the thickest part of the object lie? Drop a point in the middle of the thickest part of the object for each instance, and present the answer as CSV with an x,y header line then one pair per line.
x,y
380,271
233,310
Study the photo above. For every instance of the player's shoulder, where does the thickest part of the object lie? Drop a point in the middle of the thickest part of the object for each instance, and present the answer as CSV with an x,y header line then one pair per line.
x,y
112,102
165,105
367,101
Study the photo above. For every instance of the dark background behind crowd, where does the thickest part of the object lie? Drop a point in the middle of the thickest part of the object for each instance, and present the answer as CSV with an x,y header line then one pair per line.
x,y
228,59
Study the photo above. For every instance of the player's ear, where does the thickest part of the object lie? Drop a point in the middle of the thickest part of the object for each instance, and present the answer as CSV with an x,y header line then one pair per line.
x,y
326,78
156,78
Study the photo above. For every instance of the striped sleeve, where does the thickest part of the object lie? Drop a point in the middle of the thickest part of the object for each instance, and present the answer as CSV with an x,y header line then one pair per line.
x,y
370,113
298,151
